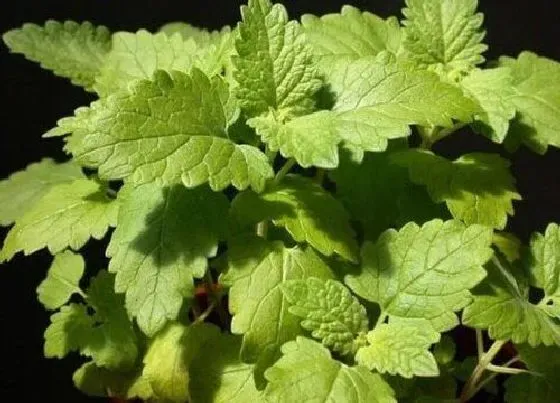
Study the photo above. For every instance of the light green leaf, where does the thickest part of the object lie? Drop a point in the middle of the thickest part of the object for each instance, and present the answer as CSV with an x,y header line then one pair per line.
x,y
166,130
444,32
537,99
274,63
306,210
68,331
66,216
493,90
424,272
542,385
350,35
106,335
401,348
63,280
306,372
167,361
508,245
112,340
380,195
501,305
101,382
139,55
329,312
378,98
312,140
21,190
218,376
545,266
257,271
201,36
477,188
72,50
163,240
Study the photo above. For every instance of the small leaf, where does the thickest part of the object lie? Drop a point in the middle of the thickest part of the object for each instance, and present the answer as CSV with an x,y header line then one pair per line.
x,y
401,348
62,281
329,312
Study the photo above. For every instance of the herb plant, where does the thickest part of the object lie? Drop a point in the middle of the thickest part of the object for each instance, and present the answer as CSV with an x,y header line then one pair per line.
x,y
283,231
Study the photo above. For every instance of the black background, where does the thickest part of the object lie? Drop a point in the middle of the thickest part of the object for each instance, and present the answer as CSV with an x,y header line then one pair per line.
x,y
33,99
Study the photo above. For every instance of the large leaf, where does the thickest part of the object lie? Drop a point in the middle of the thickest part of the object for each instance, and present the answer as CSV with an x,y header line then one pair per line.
x,y
424,272
163,240
71,50
166,130
306,372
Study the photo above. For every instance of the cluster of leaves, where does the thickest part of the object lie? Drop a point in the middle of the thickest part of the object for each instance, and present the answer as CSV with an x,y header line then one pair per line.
x,y
275,156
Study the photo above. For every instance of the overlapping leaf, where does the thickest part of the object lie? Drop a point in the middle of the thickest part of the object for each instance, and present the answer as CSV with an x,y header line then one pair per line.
x,y
169,129
477,188
66,216
306,372
329,312
424,272
163,240
257,271
306,210
71,50
21,190
274,63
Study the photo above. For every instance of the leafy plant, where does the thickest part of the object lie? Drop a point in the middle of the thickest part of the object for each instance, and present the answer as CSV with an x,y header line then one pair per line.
x,y
284,231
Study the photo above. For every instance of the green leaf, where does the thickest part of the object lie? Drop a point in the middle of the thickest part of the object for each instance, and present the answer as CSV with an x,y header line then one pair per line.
x,y
424,272
274,63
444,32
68,331
306,372
493,90
167,360
445,350
350,35
542,385
163,240
139,55
218,376
62,281
201,36
329,312
380,195
306,210
312,140
101,382
71,50
377,99
106,335
545,266
170,129
112,340
21,190
401,348
66,216
477,188
257,271
537,99
501,305
508,245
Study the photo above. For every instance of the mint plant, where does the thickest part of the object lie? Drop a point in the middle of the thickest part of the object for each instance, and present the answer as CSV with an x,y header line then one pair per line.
x,y
283,230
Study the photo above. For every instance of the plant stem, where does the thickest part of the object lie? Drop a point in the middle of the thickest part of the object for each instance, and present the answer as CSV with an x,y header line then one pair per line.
x,y
216,299
262,229
320,176
432,135
479,344
505,370
381,318
202,317
283,171
472,384
493,376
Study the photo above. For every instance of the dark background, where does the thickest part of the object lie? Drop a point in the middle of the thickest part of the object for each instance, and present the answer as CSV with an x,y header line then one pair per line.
x,y
34,99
